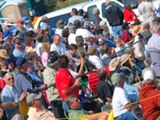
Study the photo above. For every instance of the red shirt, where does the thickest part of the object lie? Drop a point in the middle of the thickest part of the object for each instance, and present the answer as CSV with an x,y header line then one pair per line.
x,y
129,16
64,80
150,107
125,37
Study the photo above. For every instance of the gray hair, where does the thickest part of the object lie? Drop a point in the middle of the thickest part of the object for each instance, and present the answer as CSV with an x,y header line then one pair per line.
x,y
5,77
95,10
68,100
155,24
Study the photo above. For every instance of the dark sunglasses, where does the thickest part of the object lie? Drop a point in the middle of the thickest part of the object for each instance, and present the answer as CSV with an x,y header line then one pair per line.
x,y
12,78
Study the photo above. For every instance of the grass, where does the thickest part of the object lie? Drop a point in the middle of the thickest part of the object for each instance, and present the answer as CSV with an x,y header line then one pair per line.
x,y
60,5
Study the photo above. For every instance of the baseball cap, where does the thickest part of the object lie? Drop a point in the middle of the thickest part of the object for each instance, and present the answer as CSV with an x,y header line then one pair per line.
x,y
32,97
116,77
20,62
148,74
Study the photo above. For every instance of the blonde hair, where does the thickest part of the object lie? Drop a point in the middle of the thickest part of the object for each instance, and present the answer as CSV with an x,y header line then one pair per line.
x,y
45,47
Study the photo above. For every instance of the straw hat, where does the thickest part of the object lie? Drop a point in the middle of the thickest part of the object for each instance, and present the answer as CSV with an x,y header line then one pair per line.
x,y
124,58
3,54
31,50
137,29
114,63
60,23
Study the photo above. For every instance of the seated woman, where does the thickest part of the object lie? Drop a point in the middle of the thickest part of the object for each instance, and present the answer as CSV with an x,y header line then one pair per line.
x,y
75,112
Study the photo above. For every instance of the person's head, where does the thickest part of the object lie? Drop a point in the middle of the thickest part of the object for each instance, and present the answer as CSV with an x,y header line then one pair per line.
x,y
102,74
9,79
40,38
125,26
7,47
20,23
60,24
77,24
118,79
44,19
73,102
85,15
52,60
56,39
108,2
30,38
72,29
72,49
22,64
74,12
148,75
34,100
92,50
45,47
155,25
63,61
128,6
146,27
96,11
79,41
105,49
17,43
118,42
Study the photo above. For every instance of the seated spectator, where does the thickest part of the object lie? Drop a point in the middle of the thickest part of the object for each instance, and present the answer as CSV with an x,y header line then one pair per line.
x,y
121,109
10,93
104,88
75,112
57,45
150,107
37,110
126,37
93,57
18,51
105,54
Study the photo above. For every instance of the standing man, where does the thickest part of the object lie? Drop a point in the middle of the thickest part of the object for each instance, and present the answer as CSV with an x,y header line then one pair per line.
x,y
115,18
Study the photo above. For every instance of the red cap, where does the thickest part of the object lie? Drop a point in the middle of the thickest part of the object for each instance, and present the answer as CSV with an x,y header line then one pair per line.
x,y
19,21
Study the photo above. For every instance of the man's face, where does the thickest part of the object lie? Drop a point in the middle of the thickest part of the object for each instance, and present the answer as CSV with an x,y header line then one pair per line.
x,y
75,103
57,39
10,80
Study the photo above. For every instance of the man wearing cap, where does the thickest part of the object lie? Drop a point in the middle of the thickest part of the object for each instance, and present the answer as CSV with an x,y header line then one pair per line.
x,y
20,31
37,110
150,107
26,21
60,26
11,93
120,100
18,52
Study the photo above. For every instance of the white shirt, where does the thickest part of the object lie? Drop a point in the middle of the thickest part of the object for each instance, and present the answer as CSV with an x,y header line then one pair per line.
x,y
120,99
72,39
61,48
138,47
96,61
39,49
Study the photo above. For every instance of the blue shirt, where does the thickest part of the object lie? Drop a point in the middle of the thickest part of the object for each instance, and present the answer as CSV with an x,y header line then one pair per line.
x,y
18,53
10,93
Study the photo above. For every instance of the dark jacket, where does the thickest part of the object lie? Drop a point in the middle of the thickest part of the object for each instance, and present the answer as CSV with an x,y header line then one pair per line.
x,y
114,16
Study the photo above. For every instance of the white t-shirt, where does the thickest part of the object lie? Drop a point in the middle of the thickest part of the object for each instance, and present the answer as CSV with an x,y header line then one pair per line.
x,y
61,48
96,61
72,39
120,99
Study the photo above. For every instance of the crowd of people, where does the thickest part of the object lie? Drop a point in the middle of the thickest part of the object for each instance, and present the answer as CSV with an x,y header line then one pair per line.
x,y
82,69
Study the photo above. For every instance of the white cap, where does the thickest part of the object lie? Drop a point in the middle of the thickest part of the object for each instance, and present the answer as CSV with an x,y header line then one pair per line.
x,y
148,74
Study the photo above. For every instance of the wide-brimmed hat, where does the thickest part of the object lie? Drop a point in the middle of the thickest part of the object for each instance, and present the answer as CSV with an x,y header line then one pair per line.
x,y
60,23
124,58
31,50
137,29
114,63
32,97
3,54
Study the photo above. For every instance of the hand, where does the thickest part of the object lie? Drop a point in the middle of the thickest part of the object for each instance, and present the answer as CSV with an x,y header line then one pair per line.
x,y
43,87
13,104
77,81
1,113
23,96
